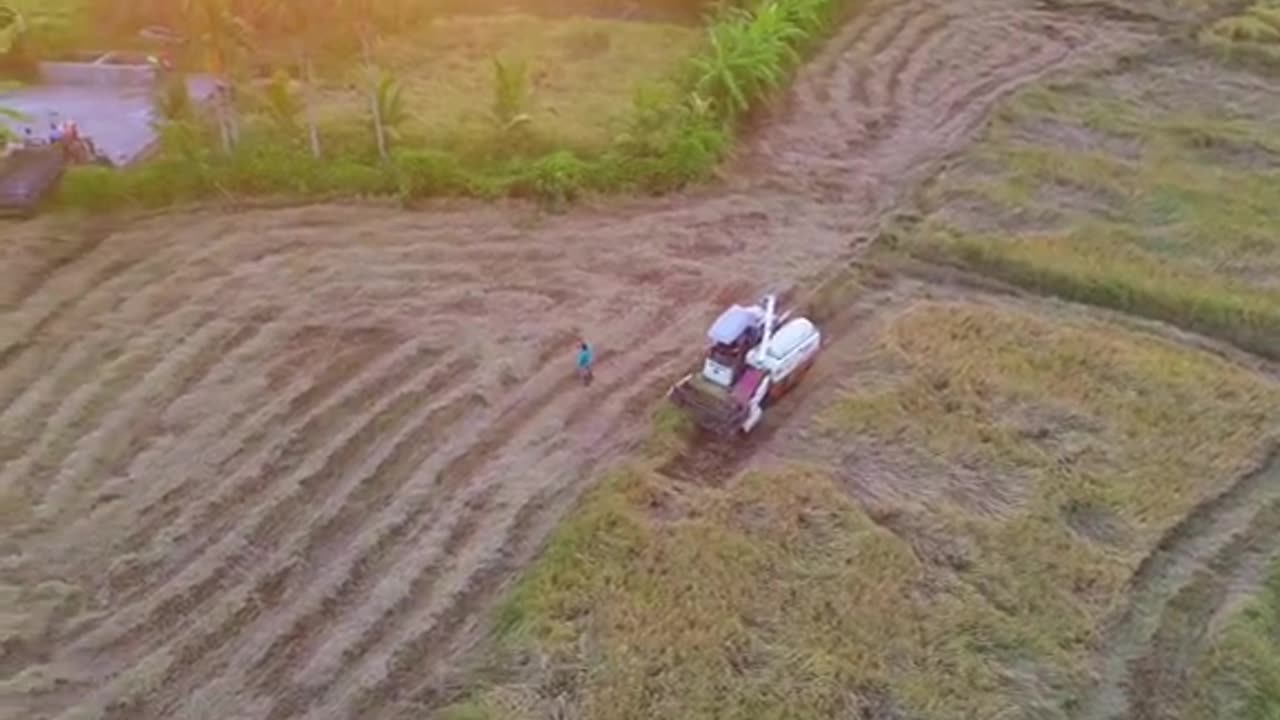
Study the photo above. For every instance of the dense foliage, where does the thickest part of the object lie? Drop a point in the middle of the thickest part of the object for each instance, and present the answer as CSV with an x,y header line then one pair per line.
x,y
668,138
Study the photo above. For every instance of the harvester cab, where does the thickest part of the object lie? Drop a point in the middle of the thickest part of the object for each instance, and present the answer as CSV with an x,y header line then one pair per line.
x,y
755,355
734,334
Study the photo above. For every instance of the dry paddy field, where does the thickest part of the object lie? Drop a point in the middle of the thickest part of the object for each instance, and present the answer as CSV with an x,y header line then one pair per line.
x,y
282,463
986,505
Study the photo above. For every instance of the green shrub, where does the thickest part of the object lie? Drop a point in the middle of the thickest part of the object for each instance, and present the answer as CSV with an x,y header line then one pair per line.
x,y
165,183
423,173
693,154
749,55
158,184
185,139
92,187
282,102
350,140
344,176
263,173
654,116
173,100
812,17
557,178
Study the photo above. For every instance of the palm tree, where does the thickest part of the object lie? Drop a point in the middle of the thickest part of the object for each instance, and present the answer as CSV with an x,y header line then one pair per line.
x,y
360,15
299,21
391,110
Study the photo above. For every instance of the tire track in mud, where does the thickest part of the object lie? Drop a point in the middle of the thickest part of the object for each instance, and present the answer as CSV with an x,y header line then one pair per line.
x,y
1153,643
334,509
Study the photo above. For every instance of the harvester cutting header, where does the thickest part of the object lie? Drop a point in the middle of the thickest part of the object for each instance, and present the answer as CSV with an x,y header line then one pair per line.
x,y
756,355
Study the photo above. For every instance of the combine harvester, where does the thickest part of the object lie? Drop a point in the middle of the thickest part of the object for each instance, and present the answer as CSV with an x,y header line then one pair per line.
x,y
756,356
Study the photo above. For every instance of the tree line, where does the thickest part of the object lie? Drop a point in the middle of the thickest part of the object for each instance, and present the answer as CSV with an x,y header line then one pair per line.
x,y
226,38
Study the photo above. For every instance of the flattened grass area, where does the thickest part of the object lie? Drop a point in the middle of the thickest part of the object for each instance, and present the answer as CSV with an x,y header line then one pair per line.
x,y
871,580
1154,191
583,74
1240,678
1253,34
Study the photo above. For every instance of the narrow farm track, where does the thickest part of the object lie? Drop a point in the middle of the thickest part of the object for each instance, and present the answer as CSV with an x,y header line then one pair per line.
x,y
289,457
1215,556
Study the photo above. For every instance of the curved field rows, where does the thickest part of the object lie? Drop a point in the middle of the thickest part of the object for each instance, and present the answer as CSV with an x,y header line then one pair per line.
x,y
1216,556
281,461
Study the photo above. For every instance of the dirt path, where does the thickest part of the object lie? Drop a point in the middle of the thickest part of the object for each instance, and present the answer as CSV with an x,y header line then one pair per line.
x,y
1203,565
284,460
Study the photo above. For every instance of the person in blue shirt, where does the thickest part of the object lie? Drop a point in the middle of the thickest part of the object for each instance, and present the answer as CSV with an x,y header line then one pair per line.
x,y
585,359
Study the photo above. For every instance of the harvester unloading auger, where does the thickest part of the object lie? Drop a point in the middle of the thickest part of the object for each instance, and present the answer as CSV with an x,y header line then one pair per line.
x,y
756,355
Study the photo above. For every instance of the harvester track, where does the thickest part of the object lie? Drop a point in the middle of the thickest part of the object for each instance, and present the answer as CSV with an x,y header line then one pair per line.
x,y
1214,557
